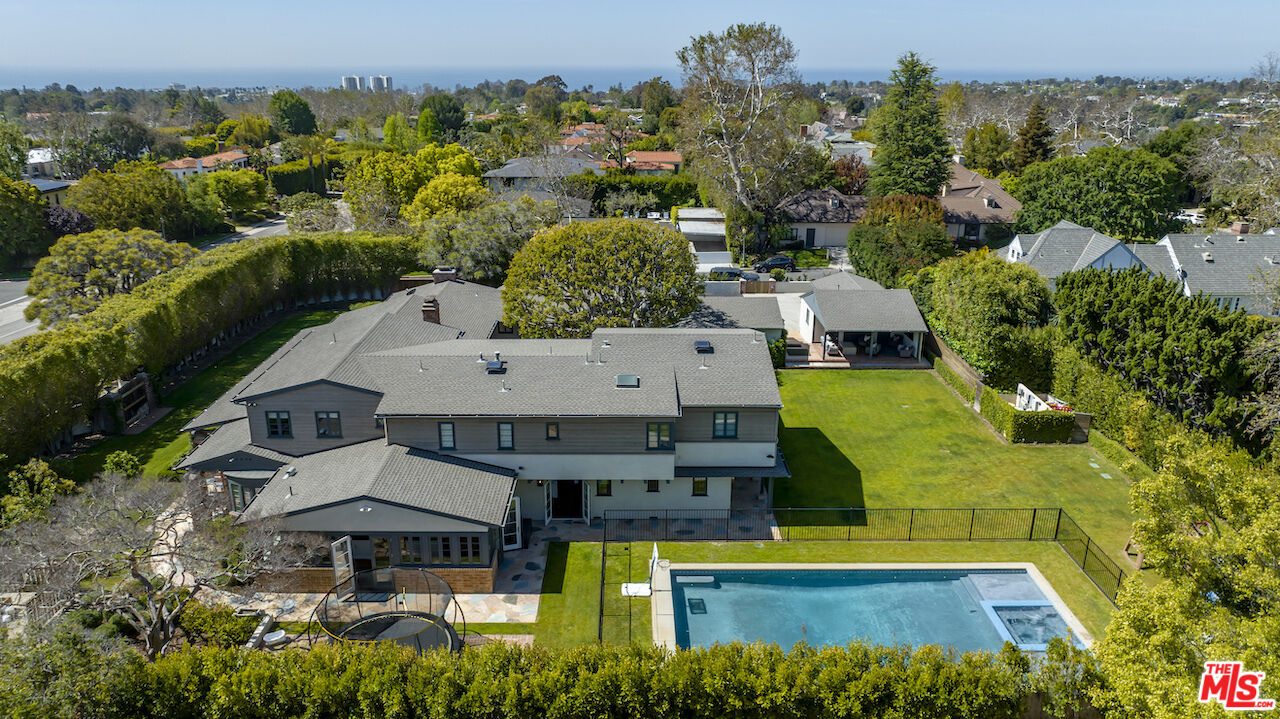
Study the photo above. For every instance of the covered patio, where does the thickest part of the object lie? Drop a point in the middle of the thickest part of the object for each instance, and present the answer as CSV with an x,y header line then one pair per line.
x,y
862,328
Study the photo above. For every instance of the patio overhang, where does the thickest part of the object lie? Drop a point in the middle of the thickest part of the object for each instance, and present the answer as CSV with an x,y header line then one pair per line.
x,y
779,469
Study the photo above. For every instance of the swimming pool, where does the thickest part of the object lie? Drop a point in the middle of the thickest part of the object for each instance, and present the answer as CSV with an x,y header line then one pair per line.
x,y
967,608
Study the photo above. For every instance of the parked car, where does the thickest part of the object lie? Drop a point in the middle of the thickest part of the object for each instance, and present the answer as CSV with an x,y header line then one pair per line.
x,y
732,273
1192,216
778,262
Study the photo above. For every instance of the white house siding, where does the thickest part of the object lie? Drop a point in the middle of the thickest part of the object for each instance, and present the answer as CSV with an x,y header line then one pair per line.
x,y
673,494
725,453
826,234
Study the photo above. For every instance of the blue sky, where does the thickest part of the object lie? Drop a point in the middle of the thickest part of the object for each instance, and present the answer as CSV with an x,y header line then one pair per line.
x,y
978,38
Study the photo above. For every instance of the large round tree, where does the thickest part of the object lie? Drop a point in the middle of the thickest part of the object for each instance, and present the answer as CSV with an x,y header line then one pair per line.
x,y
569,280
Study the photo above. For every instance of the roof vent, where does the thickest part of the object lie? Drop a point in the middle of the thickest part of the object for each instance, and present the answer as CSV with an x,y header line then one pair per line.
x,y
627,381
495,367
703,347
1208,256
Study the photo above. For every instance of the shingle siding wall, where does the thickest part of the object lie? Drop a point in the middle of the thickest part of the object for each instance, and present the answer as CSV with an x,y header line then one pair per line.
x,y
356,407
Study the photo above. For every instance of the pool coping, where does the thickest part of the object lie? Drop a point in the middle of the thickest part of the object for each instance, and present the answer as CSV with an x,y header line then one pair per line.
x,y
662,605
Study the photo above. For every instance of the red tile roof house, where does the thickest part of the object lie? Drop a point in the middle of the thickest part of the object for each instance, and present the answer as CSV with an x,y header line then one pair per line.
x,y
650,162
188,166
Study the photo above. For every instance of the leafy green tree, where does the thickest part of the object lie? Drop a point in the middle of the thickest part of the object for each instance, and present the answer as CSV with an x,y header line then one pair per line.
x,y
23,233
397,135
81,271
481,242
567,281
428,129
852,175
33,488
982,306
123,138
309,212
237,190
1128,194
291,114
898,236
13,150
448,112
1034,142
913,156
381,184
656,96
987,150
449,192
543,103
882,211
855,105
252,131
133,195
122,463
226,129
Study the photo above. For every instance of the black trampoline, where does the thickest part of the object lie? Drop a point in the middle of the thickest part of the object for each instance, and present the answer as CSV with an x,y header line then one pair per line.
x,y
421,613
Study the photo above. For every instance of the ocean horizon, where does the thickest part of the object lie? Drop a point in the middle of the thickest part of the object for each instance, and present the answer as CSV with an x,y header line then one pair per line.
x,y
414,78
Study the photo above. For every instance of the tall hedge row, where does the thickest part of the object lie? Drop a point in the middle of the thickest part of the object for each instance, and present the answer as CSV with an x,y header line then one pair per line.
x,y
293,177
1047,427
669,190
500,680
51,380
1186,354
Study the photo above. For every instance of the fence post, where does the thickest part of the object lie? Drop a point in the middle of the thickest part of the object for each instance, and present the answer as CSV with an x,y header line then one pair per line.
x,y
848,535
1031,533
973,515
1057,525
911,523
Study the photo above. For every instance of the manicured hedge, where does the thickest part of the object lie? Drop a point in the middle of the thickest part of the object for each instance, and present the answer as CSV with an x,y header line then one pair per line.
x,y
1048,427
669,190
293,177
51,380
500,680
956,382
1115,453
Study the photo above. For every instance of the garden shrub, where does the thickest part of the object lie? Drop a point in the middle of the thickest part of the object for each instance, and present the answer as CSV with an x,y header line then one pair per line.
x,y
956,382
808,258
216,626
1049,427
667,190
293,177
778,353
1116,454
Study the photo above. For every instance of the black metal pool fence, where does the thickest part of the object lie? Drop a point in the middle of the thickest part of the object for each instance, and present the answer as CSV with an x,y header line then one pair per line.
x,y
855,524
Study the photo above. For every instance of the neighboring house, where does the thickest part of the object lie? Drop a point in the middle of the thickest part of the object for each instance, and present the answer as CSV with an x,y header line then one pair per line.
x,y
54,192
414,427
538,173
1067,247
40,163
976,208
840,144
704,228
649,162
822,218
1232,269
844,281
870,323
757,312
190,166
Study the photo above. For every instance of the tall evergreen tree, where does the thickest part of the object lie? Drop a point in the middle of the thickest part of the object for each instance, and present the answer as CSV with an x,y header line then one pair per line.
x,y
291,114
914,155
1034,142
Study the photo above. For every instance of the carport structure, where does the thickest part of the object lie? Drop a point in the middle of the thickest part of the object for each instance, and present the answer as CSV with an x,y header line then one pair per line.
x,y
864,326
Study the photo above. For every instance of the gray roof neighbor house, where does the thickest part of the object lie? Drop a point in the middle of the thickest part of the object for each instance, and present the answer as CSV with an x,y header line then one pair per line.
x,y
759,312
1067,247
825,205
1228,267
844,281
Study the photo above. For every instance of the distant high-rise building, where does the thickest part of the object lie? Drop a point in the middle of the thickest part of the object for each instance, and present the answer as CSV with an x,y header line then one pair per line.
x,y
351,82
380,83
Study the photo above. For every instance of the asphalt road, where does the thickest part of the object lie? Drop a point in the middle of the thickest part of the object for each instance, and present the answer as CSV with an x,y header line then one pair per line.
x,y
13,300
266,228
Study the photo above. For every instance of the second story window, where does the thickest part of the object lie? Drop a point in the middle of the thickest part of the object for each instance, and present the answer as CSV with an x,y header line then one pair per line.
x,y
725,426
659,436
328,424
506,435
446,435
553,430
278,424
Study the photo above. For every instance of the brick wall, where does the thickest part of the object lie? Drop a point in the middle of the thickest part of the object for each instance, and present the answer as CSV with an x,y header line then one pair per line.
x,y
318,580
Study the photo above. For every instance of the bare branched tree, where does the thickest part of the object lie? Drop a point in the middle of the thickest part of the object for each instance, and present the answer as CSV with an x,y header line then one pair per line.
x,y
143,549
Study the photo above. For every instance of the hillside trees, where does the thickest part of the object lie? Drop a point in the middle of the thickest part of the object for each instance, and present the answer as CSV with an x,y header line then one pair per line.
x,y
447,112
988,150
237,191
570,280
913,156
1034,142
135,195
291,114
23,233
898,235
13,150
481,242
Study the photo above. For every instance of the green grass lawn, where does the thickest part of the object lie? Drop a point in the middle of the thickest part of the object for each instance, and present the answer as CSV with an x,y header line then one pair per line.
x,y
569,607
901,438
162,444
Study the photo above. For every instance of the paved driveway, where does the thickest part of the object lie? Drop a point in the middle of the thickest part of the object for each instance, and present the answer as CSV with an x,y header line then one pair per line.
x,y
13,301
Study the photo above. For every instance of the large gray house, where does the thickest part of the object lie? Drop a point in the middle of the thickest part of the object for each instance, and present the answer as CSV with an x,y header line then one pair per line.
x,y
421,429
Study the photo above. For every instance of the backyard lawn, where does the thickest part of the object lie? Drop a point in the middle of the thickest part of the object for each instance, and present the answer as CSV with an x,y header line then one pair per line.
x,y
162,444
569,607
901,438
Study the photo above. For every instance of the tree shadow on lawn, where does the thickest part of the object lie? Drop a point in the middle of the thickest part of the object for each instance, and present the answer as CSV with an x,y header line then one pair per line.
x,y
821,475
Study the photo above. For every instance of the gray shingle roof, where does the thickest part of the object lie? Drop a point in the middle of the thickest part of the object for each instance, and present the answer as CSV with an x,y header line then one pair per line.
x,y
825,205
844,281
229,440
966,199
554,377
867,311
548,166
759,312
1063,248
1156,259
1237,261
375,470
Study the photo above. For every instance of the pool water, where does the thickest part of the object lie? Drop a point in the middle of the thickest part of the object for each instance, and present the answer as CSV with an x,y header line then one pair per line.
x,y
963,609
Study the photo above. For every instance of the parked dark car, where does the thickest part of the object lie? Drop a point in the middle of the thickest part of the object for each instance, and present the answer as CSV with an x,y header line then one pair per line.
x,y
780,262
732,273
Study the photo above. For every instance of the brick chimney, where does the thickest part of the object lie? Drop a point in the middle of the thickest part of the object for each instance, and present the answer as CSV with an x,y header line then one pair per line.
x,y
431,310
1240,228
444,274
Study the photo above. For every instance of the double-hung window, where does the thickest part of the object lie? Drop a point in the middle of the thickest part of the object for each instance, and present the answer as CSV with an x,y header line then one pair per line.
x,y
445,430
658,436
604,488
699,486
553,430
725,425
328,424
278,424
506,435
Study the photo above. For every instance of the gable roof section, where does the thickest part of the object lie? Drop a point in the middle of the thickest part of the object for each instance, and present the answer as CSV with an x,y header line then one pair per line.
x,y
546,166
224,446
970,198
867,311
825,205
844,281
1064,248
759,313
1237,261
413,478
1156,258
